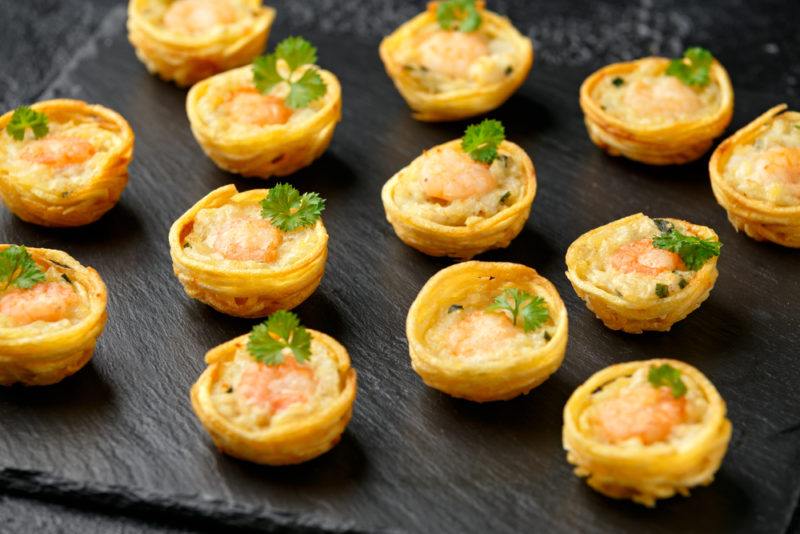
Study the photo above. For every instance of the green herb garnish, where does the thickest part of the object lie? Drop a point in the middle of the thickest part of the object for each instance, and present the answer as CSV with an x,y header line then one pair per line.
x,y
682,283
666,375
694,251
288,210
547,336
505,197
295,52
23,118
617,81
280,331
518,303
662,291
693,68
461,15
18,268
481,140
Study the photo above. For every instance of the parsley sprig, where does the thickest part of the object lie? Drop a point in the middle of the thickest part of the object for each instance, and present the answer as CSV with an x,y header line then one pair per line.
x,y
461,15
23,118
288,210
666,375
693,68
296,52
18,268
521,304
694,251
481,140
281,330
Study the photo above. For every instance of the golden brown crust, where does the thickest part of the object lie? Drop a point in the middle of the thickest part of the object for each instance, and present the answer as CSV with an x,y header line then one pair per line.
x,y
276,151
292,443
189,59
677,143
49,357
637,315
482,380
455,105
462,241
244,292
90,201
761,220
649,472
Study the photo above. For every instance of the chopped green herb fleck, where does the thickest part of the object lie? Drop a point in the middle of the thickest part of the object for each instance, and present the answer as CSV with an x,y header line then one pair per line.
x,y
455,308
662,291
505,197
66,279
547,336
617,81
509,70
683,283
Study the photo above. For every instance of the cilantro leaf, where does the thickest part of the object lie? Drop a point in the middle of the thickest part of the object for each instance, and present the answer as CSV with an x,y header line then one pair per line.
x,y
18,268
693,68
265,73
694,251
481,140
666,375
288,210
521,304
280,331
296,52
462,15
305,90
23,118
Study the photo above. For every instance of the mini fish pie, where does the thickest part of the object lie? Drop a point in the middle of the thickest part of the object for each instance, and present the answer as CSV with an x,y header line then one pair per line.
x,y
186,41
462,346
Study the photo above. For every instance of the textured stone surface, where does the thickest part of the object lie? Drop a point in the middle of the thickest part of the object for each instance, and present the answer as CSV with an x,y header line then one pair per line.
x,y
120,436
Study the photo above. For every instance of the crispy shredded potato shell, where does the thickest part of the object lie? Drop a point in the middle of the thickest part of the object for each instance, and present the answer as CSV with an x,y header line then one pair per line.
x,y
45,353
645,473
88,195
495,373
283,443
246,289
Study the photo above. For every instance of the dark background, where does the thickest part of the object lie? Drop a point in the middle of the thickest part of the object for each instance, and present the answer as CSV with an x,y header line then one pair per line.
x,y
116,448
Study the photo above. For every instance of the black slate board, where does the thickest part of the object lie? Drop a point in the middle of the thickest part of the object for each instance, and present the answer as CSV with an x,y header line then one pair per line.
x,y
121,435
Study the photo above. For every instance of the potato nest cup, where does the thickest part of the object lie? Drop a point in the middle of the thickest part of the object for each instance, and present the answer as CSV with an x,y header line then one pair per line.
x,y
656,144
43,353
760,219
264,151
497,372
245,288
35,196
462,102
466,240
189,58
635,313
293,441
646,472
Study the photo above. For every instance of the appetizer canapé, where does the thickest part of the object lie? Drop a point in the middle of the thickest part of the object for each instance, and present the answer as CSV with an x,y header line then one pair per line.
x,y
281,395
186,41
456,60
250,254
463,197
755,175
639,273
63,162
270,119
656,110
52,310
646,430
486,331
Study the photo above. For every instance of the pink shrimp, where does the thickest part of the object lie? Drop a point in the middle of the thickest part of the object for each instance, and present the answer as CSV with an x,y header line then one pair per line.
x,y
663,96
49,302
477,331
645,412
197,16
780,164
246,239
643,258
58,151
248,105
448,175
452,52
277,386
